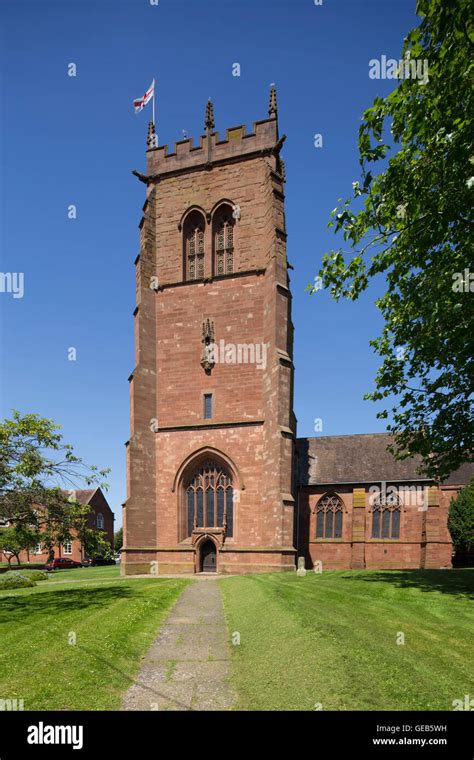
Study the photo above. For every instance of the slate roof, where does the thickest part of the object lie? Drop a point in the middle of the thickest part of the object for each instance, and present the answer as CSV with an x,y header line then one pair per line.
x,y
81,495
359,458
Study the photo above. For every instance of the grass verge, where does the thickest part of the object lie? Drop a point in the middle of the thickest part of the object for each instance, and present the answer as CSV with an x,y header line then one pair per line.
x,y
351,640
75,641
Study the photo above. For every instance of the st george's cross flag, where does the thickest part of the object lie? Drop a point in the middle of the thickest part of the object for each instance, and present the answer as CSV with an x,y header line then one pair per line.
x,y
140,103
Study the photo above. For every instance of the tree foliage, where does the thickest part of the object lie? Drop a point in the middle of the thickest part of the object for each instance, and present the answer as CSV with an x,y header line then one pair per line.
x,y
93,541
461,519
412,223
118,539
34,456
35,467
15,539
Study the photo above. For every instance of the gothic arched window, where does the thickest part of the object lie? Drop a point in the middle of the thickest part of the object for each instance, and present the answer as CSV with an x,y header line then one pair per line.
x,y
329,517
386,517
209,499
100,521
223,237
193,238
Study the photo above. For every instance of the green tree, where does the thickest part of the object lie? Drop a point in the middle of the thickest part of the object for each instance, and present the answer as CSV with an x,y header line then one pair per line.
x,y
15,539
412,223
118,539
93,541
57,516
35,466
461,520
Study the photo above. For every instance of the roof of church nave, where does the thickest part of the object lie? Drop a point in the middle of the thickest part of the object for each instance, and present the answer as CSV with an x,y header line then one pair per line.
x,y
360,458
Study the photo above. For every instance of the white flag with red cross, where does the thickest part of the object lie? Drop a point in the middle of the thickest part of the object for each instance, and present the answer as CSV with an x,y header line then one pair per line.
x,y
140,103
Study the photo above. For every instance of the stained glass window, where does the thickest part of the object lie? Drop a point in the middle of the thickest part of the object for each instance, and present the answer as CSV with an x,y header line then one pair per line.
x,y
199,506
386,517
217,511
329,517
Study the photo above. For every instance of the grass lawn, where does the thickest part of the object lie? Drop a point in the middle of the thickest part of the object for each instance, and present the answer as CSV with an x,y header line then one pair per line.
x,y
332,639
114,620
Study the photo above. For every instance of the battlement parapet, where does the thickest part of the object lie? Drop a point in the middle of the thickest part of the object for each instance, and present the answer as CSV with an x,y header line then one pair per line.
x,y
211,149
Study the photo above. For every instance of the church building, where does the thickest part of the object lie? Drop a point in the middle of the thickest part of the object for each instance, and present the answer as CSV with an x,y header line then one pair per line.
x,y
216,479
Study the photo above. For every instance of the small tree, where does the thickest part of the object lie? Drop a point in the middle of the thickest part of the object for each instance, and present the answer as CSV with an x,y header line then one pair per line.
x,y
15,539
59,518
461,520
118,539
94,543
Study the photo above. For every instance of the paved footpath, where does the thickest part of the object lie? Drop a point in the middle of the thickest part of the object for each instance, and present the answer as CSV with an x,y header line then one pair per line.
x,y
188,664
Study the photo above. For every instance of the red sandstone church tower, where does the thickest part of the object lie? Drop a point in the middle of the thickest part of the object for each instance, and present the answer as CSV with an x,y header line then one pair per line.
x,y
209,460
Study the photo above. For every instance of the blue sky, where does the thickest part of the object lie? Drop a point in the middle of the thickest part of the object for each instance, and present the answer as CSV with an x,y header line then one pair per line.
x,y
73,140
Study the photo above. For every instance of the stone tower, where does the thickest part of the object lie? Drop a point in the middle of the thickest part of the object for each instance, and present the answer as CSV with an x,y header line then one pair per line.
x,y
210,456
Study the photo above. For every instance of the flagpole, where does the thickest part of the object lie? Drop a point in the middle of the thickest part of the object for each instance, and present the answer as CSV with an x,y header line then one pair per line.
x,y
153,102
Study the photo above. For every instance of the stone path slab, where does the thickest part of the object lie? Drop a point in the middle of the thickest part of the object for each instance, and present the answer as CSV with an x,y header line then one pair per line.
x,y
188,665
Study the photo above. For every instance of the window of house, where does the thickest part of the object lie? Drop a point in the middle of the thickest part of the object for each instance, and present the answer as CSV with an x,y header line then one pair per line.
x,y
67,548
37,549
100,521
386,517
329,511
209,499
208,406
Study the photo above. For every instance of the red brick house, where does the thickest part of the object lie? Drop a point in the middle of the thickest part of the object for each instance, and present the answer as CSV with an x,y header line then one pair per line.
x,y
216,480
101,517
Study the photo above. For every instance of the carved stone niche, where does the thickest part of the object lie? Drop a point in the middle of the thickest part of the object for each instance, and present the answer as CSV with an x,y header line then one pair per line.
x,y
207,358
216,533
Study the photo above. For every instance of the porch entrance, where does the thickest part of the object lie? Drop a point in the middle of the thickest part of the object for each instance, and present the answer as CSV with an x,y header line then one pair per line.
x,y
208,557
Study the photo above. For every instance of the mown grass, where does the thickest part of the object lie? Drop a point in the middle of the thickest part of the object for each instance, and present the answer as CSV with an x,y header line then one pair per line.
x,y
112,620
329,641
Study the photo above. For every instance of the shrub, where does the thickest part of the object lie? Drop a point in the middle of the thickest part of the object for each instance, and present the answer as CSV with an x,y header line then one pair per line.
x,y
15,580
461,519
34,575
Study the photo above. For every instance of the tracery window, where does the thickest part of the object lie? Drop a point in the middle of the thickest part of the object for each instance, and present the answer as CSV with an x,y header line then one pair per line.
x,y
386,517
223,229
194,246
329,511
209,499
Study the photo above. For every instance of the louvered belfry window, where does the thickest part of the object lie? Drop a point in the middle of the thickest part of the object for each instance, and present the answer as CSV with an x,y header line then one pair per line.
x,y
194,245
209,499
195,253
329,512
224,245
